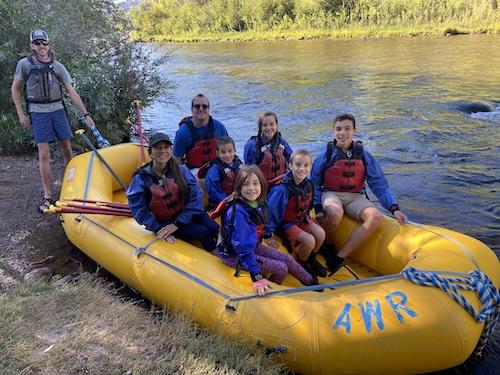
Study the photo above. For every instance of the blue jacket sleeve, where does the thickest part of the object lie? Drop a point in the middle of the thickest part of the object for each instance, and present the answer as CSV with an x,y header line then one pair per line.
x,y
194,205
220,129
377,182
182,141
277,199
288,150
317,177
243,238
249,153
138,206
212,184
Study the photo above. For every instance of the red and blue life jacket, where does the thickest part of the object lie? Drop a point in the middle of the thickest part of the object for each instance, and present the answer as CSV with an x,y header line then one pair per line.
x,y
227,175
299,203
271,157
258,216
162,195
203,150
345,173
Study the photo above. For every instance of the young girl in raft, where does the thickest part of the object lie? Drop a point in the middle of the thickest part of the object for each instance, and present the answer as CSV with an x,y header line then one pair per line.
x,y
268,150
164,197
242,228
222,172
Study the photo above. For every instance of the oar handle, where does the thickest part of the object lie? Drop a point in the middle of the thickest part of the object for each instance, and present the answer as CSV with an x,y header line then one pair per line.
x,y
101,141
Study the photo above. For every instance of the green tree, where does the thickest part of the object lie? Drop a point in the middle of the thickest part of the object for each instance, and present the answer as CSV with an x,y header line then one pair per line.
x,y
91,38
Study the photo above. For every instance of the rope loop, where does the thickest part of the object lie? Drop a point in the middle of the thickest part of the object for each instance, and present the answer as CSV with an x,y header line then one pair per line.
x,y
477,281
473,281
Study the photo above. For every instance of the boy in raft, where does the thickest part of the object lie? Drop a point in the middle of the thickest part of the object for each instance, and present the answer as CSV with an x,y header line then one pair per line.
x,y
164,197
196,139
242,227
268,150
339,175
291,200
221,175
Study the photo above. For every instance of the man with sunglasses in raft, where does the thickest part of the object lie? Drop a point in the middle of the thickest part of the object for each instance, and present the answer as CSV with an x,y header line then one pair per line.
x,y
42,78
196,139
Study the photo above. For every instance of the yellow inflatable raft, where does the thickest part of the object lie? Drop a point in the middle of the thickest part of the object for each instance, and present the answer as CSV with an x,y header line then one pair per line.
x,y
372,319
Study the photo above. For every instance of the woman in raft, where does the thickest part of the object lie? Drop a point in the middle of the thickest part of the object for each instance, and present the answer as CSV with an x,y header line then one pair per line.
x,y
164,197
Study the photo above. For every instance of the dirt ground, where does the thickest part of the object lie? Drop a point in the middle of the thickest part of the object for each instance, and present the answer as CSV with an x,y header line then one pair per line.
x,y
29,239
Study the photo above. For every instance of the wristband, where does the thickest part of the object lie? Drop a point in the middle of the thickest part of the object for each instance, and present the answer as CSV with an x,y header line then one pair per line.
x,y
256,276
393,208
86,115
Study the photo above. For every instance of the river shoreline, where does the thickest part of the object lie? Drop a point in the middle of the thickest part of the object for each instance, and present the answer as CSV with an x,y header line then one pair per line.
x,y
356,32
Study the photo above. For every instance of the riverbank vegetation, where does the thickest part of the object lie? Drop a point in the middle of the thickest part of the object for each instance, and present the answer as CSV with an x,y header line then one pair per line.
x,y
91,38
218,20
85,327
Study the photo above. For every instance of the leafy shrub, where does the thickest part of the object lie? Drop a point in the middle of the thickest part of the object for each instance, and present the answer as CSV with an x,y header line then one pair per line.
x,y
14,138
91,38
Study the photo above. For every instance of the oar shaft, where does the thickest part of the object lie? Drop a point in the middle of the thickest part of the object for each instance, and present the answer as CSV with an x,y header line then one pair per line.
x,y
139,132
139,128
105,208
70,210
89,143
104,203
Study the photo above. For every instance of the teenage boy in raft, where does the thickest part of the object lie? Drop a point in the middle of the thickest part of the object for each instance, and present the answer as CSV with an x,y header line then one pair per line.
x,y
339,175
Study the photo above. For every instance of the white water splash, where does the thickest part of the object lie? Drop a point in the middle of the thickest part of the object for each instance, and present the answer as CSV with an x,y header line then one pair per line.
x,y
492,116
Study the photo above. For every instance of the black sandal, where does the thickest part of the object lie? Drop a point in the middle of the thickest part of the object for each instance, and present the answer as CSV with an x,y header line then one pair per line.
x,y
46,203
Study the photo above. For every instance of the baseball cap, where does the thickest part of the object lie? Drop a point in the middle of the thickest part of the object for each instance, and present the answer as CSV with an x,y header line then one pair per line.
x,y
38,34
159,137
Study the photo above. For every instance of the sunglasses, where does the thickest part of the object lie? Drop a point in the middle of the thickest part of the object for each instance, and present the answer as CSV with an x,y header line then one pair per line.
x,y
198,106
38,42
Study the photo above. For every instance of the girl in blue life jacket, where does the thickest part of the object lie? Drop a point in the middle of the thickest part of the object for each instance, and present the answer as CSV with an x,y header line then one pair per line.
x,y
243,223
221,175
164,197
268,150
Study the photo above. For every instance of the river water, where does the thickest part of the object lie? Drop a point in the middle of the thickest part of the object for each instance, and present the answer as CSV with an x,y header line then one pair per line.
x,y
411,97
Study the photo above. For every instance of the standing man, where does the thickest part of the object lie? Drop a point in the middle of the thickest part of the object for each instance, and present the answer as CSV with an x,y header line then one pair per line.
x,y
43,77
196,140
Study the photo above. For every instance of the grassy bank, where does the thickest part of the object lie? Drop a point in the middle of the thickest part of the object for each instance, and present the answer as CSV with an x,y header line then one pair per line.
x,y
234,20
84,327
348,33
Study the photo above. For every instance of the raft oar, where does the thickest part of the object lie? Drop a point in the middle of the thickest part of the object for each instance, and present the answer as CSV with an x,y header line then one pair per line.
x,y
99,203
81,132
74,205
69,210
137,104
80,209
139,132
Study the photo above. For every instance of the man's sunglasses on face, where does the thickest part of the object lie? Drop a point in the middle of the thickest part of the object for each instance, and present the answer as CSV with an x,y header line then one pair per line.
x,y
198,106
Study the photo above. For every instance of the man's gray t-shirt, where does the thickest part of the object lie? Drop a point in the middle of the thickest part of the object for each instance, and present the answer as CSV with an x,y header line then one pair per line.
x,y
22,69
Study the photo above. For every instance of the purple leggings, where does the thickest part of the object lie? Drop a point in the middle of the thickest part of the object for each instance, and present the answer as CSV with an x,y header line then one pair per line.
x,y
275,263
